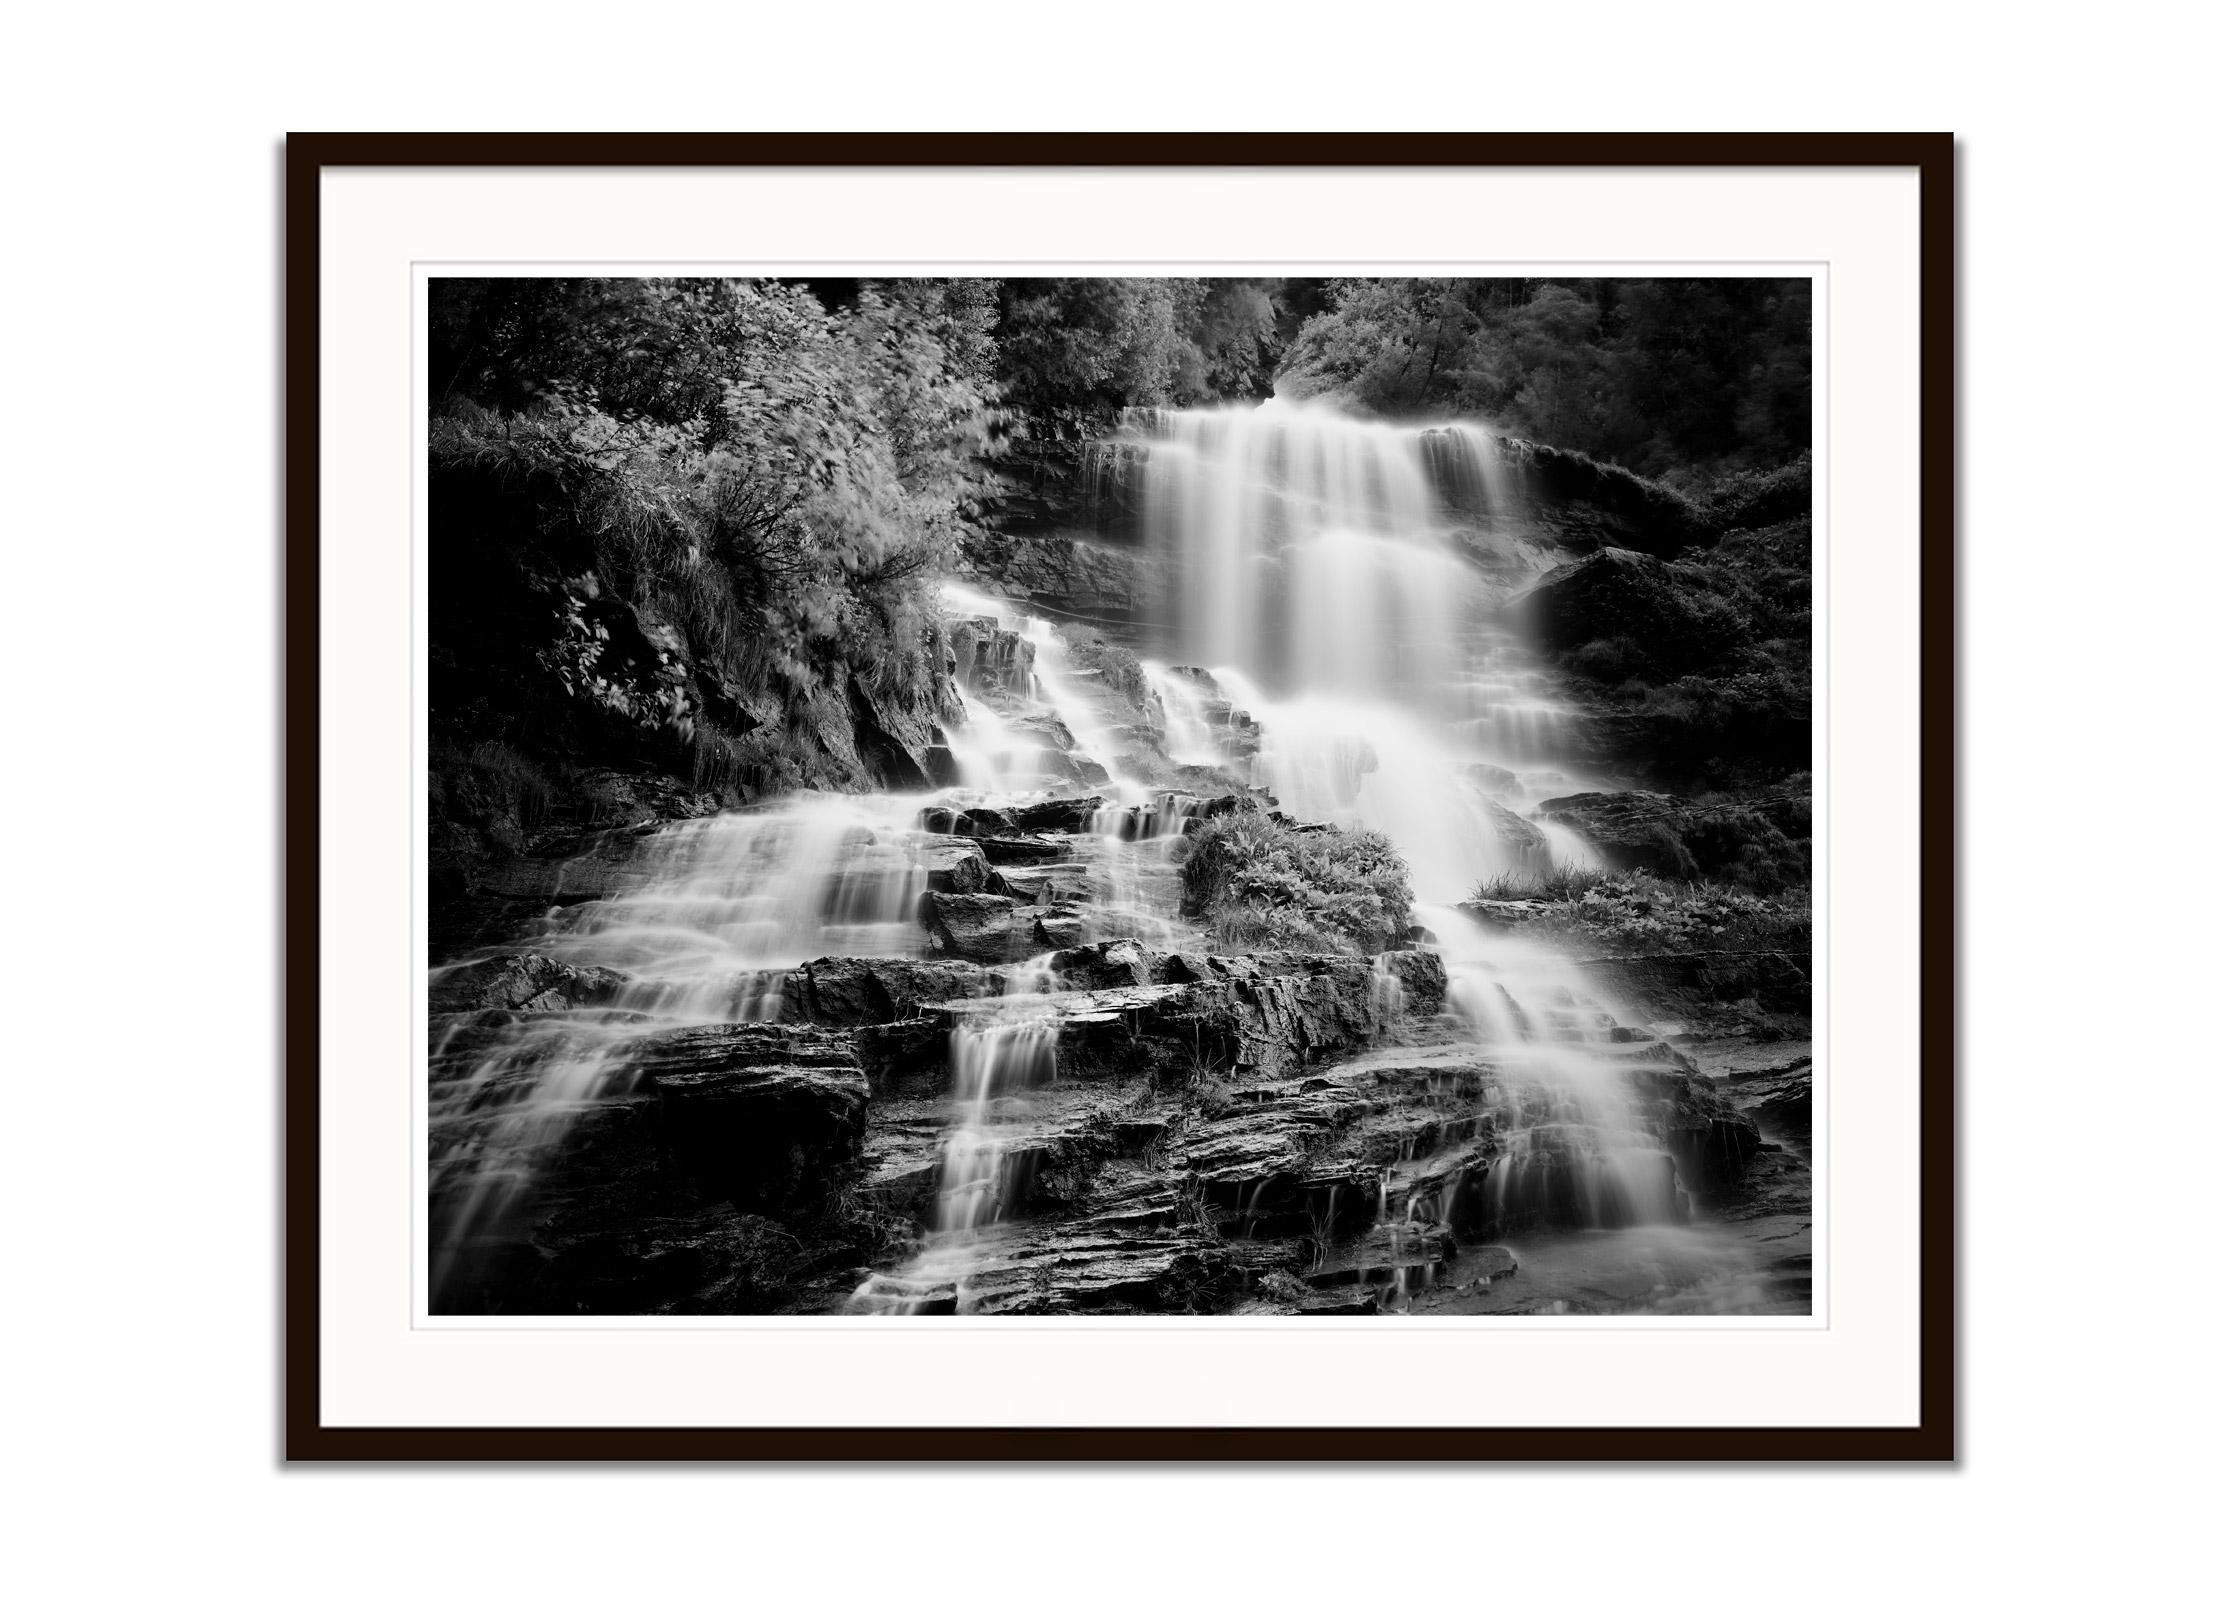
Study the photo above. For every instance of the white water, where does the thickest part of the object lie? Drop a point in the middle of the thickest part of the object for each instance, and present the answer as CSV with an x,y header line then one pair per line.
x,y
994,1064
1313,572
1316,580
716,912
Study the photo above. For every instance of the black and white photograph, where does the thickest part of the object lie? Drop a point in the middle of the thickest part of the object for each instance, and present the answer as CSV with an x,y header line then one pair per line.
x,y
1155,795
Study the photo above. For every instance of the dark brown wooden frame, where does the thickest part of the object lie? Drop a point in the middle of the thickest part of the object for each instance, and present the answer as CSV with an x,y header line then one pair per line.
x,y
308,155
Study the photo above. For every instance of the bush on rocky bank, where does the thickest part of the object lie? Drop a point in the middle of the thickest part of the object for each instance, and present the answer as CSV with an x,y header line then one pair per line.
x,y
1262,885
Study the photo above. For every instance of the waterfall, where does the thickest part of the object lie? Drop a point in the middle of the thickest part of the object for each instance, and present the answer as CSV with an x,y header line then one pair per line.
x,y
705,920
1310,565
1319,637
983,1166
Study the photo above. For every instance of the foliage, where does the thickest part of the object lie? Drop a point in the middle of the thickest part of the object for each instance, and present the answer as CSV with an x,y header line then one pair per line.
x,y
1678,378
723,489
1262,885
1557,883
1636,913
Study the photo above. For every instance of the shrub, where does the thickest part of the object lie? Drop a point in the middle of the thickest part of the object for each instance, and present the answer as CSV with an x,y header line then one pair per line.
x,y
1635,913
1262,885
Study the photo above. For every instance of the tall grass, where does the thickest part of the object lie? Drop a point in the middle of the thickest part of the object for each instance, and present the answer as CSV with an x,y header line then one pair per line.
x,y
1567,883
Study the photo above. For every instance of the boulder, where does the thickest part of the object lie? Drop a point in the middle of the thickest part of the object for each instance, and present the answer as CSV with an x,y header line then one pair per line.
x,y
522,983
956,866
1006,849
1421,977
1113,964
766,1116
1075,815
863,991
1523,845
1043,884
1497,783
976,927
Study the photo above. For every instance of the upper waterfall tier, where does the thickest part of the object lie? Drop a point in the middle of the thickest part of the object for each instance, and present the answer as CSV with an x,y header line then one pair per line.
x,y
1310,549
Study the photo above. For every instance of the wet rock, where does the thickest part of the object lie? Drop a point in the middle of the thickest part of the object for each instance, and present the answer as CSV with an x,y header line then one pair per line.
x,y
1721,990
1193,966
1406,1258
1508,913
957,867
1059,816
1019,848
989,659
944,820
611,866
1060,928
1093,1266
1044,884
1497,783
1076,575
768,1117
616,1228
985,821
1421,976
1681,839
1711,1141
976,927
523,983
1778,1099
1630,831
1112,964
913,1046
858,991
1523,844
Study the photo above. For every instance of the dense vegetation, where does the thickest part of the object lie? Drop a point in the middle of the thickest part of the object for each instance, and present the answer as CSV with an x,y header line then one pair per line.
x,y
684,529
1262,885
1684,379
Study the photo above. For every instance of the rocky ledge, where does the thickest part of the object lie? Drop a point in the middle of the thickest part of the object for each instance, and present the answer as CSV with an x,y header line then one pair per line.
x,y
1278,1135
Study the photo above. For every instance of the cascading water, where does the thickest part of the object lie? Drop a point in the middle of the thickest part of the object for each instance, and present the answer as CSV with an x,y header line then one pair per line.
x,y
994,1064
1339,655
1310,566
707,918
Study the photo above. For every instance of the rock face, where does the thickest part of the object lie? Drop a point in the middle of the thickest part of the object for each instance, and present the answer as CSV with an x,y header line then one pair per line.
x,y
522,983
1623,614
1778,1098
861,991
988,659
769,1118
1711,1142
1081,576
976,927
1681,839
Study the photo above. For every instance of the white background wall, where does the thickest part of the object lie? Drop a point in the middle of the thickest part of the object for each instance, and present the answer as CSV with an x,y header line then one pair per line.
x,y
141,393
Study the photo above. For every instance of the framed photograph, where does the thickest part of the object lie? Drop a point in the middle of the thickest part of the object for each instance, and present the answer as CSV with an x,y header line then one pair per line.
x,y
1120,796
